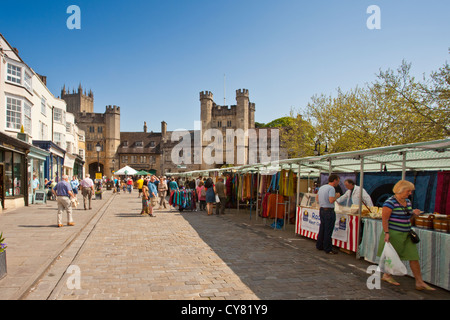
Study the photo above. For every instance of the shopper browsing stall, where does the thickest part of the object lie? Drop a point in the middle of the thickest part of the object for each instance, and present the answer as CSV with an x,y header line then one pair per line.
x,y
352,195
327,196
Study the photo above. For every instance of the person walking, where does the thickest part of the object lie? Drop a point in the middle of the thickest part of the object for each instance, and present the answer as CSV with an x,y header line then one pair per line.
x,y
63,193
145,198
173,185
201,195
130,185
222,193
396,215
140,183
327,196
210,196
87,186
74,183
35,186
153,193
162,191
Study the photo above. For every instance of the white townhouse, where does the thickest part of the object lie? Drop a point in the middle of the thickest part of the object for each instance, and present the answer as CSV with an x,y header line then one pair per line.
x,y
31,113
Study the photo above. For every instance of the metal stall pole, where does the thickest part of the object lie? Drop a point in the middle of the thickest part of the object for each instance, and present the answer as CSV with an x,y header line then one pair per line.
x,y
237,193
297,204
361,184
257,191
251,193
403,165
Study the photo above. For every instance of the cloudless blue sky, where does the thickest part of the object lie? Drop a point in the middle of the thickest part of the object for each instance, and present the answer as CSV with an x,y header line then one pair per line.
x,y
152,58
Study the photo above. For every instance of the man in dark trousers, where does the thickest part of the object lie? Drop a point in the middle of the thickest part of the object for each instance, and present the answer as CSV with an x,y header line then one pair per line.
x,y
327,196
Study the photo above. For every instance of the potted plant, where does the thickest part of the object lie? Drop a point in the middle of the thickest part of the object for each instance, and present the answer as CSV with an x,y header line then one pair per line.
x,y
2,256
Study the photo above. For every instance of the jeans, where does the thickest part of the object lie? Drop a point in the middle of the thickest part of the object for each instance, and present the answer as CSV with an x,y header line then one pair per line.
x,y
327,221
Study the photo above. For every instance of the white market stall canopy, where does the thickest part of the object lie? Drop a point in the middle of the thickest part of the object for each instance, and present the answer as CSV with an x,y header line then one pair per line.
x,y
125,171
420,156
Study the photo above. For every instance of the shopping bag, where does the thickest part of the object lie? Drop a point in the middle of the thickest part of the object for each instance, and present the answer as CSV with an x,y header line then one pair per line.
x,y
390,261
217,198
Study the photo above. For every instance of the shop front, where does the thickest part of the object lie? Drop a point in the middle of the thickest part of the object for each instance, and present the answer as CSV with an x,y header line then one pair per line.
x,y
54,163
36,170
13,172
78,167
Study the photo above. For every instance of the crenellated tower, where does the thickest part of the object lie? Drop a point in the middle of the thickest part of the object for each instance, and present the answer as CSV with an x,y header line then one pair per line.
x,y
78,102
239,116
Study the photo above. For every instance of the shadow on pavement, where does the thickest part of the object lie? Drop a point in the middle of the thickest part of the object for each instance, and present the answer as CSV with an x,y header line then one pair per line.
x,y
280,265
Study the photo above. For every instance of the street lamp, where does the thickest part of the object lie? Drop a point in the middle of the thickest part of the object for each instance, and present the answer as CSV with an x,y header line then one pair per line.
x,y
317,148
98,148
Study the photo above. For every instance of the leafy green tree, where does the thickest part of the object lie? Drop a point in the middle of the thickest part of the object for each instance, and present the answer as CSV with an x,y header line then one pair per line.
x,y
395,109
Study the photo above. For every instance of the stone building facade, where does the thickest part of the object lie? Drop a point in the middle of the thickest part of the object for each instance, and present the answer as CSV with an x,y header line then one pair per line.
x,y
101,129
154,151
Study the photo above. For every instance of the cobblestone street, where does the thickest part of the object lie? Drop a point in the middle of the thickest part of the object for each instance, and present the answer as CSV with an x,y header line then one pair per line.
x,y
123,255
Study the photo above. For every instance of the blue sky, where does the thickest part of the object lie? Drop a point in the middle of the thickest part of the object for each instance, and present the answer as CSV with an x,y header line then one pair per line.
x,y
152,58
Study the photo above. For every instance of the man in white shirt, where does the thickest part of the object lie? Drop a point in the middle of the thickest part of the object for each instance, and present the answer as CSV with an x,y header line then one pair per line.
x,y
87,186
352,196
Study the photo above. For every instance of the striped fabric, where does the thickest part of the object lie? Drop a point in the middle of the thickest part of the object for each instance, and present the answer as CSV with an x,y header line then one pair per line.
x,y
400,216
351,244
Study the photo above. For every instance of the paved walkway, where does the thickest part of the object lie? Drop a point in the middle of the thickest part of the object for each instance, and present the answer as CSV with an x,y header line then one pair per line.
x,y
123,255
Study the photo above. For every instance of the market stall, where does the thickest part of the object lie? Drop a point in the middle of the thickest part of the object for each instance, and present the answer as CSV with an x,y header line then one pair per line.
x,y
403,161
346,226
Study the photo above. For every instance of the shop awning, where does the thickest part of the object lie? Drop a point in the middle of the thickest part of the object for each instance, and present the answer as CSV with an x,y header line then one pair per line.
x,y
431,155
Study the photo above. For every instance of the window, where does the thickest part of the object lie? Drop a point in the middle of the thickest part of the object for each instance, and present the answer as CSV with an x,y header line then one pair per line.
x,y
139,144
152,144
69,147
100,129
14,74
57,115
43,106
124,159
57,138
27,117
27,81
229,123
133,159
68,127
125,144
43,131
89,146
81,153
91,129
219,124
143,159
13,113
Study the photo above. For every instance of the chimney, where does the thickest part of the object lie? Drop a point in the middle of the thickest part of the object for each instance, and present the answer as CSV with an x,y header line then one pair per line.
x,y
145,127
43,79
163,130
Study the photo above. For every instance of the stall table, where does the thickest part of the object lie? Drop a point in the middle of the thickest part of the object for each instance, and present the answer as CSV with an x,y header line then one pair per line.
x,y
434,253
345,233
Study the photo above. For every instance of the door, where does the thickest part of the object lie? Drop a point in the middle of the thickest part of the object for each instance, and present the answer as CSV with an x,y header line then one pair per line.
x,y
2,189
